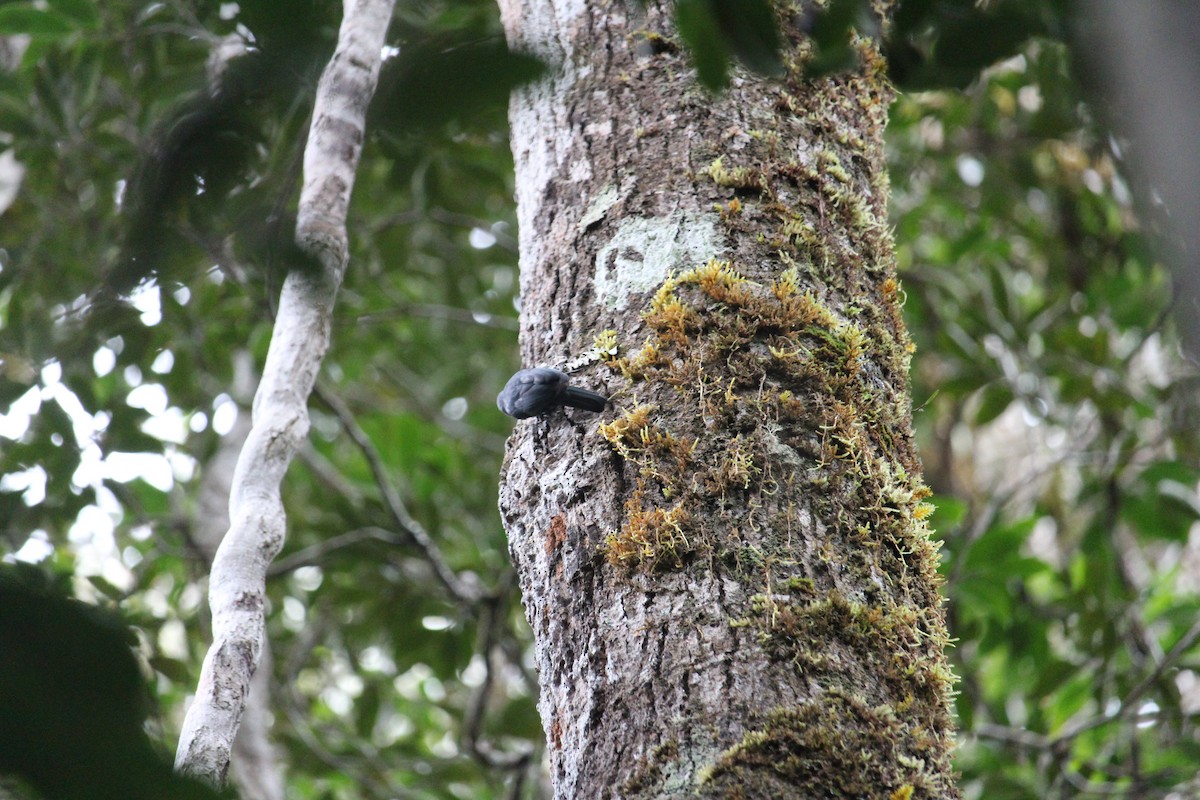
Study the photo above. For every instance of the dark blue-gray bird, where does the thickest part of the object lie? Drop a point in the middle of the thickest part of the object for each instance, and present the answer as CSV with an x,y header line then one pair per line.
x,y
533,392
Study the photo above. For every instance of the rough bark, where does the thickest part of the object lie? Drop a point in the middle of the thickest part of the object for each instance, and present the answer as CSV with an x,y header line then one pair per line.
x,y
254,762
237,584
729,579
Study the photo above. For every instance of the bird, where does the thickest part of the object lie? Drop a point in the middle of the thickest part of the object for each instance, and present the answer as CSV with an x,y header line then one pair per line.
x,y
537,391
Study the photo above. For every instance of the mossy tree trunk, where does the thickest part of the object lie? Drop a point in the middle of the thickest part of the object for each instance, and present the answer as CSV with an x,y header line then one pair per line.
x,y
729,578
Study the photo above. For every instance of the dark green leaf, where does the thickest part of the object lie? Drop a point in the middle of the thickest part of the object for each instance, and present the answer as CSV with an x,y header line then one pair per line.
x,y
72,701
366,710
434,81
1001,544
1165,505
702,33
948,512
968,43
82,11
993,401
832,32
751,32
173,669
24,18
106,587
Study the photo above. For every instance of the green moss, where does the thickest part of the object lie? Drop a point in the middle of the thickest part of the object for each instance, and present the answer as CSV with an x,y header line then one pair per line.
x,y
605,345
900,644
650,536
736,177
766,428
778,401
832,166
750,360
835,745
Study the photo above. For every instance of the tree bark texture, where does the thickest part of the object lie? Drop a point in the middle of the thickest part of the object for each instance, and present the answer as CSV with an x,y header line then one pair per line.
x,y
254,760
728,574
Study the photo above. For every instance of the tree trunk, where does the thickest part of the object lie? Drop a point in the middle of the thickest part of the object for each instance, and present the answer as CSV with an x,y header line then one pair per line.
x,y
728,575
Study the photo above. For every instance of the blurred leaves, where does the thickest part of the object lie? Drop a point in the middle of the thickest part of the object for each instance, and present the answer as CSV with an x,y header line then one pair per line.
x,y
435,80
72,703
137,268
27,18
1057,435
206,151
929,44
937,44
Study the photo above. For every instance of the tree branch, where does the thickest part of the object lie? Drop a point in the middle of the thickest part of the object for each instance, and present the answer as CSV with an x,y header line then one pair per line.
x,y
237,587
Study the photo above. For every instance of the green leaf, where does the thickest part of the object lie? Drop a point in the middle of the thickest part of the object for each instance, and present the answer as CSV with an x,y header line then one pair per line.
x,y
82,11
366,708
17,118
1164,504
832,36
994,401
106,587
969,43
1175,471
50,99
173,669
1068,700
751,33
948,512
74,700
435,81
912,15
1000,545
702,34
24,18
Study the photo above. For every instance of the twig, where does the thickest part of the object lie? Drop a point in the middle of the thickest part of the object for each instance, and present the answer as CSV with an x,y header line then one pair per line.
x,y
503,240
461,589
1135,694
489,617
439,311
317,552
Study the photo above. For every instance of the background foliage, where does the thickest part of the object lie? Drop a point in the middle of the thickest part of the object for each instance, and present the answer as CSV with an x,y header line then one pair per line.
x,y
1058,430
144,228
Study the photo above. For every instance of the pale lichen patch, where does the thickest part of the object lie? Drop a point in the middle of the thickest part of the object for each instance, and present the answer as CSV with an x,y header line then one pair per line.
x,y
644,250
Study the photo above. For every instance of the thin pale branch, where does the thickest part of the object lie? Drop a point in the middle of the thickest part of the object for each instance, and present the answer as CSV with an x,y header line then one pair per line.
x,y
237,586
